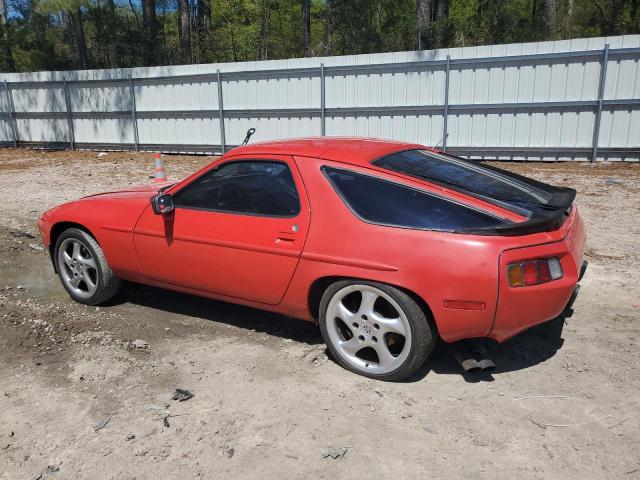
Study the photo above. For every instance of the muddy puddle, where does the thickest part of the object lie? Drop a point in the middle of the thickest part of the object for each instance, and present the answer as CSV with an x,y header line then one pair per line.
x,y
35,273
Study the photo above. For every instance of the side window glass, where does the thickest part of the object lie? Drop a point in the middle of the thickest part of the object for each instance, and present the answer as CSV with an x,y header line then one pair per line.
x,y
384,202
247,187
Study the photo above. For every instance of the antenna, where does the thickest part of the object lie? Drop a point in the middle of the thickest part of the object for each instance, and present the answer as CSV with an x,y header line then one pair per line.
x,y
441,140
250,132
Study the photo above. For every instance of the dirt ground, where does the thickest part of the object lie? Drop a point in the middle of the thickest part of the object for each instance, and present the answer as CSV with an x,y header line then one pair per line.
x,y
564,402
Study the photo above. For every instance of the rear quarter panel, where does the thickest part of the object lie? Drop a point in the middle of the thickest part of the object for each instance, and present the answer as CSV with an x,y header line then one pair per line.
x,y
436,266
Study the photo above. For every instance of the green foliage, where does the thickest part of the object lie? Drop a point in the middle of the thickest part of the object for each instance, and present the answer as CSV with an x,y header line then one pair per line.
x,y
370,26
53,34
46,7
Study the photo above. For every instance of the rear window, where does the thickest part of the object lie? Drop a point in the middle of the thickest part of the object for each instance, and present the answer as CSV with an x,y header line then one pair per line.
x,y
384,202
505,188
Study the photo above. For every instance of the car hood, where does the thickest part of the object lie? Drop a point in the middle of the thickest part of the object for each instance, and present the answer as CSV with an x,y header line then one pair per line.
x,y
117,210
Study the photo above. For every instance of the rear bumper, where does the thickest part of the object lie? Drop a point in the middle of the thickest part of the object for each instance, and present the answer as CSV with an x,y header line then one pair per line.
x,y
521,308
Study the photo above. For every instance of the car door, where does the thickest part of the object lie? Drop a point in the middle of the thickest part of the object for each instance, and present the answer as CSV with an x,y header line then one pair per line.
x,y
237,230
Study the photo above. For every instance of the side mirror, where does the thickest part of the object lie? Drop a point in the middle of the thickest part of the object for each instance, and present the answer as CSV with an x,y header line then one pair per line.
x,y
162,204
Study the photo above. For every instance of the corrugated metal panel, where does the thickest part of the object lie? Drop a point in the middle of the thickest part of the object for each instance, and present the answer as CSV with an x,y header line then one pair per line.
x,y
43,130
179,105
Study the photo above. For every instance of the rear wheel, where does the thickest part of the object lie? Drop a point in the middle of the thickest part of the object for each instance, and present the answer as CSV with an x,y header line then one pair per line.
x,y
83,269
375,330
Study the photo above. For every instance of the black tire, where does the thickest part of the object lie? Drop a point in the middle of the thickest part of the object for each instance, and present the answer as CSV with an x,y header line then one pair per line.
x,y
107,284
423,334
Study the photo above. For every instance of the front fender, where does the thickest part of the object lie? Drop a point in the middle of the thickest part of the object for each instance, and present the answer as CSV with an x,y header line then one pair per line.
x,y
110,220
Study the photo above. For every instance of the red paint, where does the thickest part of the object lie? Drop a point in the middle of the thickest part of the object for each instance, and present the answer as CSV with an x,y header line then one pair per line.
x,y
262,262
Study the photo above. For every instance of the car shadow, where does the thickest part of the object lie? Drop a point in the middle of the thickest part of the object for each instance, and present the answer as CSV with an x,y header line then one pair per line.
x,y
261,321
530,348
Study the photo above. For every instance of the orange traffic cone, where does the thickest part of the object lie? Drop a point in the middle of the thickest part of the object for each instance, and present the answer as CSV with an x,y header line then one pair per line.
x,y
160,175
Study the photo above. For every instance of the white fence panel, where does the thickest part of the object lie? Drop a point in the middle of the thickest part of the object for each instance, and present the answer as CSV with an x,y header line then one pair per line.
x,y
519,101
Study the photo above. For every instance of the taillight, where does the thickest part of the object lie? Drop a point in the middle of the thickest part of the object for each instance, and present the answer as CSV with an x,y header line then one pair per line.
x,y
534,272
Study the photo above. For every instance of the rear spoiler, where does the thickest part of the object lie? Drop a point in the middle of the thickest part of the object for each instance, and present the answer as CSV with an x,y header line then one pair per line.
x,y
543,221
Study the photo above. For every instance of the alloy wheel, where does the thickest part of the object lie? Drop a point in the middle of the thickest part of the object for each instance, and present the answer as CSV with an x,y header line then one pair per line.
x,y
77,268
368,329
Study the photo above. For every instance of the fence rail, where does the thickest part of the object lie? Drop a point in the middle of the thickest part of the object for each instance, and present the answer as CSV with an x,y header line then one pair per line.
x,y
56,108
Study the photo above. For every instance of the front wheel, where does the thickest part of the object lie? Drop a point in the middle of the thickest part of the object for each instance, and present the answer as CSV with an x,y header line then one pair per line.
x,y
83,269
375,330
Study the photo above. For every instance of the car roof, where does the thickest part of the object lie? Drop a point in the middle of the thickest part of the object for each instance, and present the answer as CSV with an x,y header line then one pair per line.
x,y
352,150
358,151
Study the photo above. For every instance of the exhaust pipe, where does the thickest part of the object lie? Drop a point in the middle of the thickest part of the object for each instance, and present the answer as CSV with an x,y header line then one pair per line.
x,y
465,359
485,363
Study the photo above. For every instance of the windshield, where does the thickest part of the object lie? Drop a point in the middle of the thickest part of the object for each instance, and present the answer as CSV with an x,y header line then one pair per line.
x,y
470,177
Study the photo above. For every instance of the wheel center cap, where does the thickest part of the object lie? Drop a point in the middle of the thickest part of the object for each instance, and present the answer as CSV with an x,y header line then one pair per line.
x,y
367,329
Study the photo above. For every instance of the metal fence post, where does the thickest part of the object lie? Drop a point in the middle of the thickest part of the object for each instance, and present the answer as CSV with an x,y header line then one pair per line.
x,y
322,101
596,123
134,118
67,101
12,117
221,112
445,114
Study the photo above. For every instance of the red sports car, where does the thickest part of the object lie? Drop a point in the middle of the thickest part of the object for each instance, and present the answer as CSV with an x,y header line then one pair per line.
x,y
387,245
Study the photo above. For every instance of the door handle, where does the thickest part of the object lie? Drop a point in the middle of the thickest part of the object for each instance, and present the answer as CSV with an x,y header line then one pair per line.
x,y
285,237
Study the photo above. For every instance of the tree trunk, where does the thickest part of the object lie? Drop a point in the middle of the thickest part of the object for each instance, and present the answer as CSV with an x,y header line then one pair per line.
x,y
203,15
150,33
78,37
534,9
3,12
442,12
306,26
203,27
550,17
423,16
234,49
264,31
328,29
7,62
116,52
567,20
184,28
